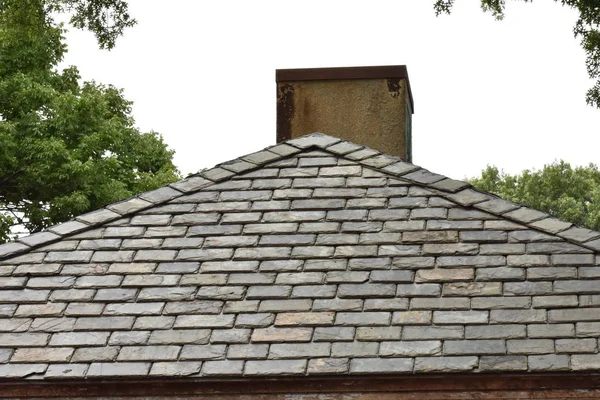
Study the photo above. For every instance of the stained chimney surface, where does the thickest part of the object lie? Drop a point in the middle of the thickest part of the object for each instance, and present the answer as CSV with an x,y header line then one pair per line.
x,y
366,105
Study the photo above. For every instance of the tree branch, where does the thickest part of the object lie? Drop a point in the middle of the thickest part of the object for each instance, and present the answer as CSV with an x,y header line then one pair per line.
x,y
17,172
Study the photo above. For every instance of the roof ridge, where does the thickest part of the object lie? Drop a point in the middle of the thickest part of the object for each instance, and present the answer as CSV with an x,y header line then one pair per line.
x,y
457,191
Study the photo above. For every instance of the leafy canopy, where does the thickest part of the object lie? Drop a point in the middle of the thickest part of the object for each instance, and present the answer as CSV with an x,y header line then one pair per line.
x,y
66,147
106,19
586,28
567,193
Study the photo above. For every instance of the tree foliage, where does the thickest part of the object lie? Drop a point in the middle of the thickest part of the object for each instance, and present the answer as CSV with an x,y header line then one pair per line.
x,y
586,28
106,19
570,194
66,147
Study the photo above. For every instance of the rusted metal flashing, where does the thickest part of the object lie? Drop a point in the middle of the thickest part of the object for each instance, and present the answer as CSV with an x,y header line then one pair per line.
x,y
320,74
394,86
455,386
285,111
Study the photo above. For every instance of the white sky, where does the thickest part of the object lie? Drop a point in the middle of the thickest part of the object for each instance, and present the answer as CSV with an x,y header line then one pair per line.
x,y
508,93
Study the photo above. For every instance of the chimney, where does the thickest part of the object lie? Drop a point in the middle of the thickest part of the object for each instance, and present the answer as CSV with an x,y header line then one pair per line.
x,y
372,106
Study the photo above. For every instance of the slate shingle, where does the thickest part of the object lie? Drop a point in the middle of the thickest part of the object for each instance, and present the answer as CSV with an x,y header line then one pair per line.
x,y
334,259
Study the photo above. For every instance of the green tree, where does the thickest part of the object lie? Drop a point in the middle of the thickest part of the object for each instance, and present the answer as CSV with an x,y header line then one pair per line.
x,y
570,194
586,28
66,147
106,19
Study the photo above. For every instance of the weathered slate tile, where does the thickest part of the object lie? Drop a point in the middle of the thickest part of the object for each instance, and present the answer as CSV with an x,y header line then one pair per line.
x,y
42,354
103,323
334,334
378,333
36,269
305,319
52,324
472,289
576,346
204,321
23,339
474,347
355,349
177,336
15,370
327,366
129,338
512,331
363,318
160,195
445,364
380,365
411,349
71,295
149,280
40,310
248,351
574,315
68,256
134,309
432,332
585,362
299,350
219,292
66,371
203,352
193,307
555,301
277,335
230,336
275,367
16,325
100,370
112,295
366,290
148,353
151,323
103,281
180,368
440,303
549,362
517,316
79,339
337,304
385,304
460,317
550,331
167,293
503,363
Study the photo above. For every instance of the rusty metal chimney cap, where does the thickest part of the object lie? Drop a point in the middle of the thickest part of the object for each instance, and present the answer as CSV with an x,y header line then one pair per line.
x,y
323,74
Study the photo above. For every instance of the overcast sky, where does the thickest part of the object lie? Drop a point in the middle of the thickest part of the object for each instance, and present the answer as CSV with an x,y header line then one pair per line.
x,y
508,93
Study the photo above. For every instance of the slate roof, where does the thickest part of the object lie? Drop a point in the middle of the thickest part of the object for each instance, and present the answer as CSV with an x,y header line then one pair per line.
x,y
315,256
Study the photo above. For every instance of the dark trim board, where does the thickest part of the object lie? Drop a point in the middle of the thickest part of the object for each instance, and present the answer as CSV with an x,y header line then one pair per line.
x,y
463,386
322,74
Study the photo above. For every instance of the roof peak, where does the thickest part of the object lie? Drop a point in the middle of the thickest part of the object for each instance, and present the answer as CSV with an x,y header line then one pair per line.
x,y
458,191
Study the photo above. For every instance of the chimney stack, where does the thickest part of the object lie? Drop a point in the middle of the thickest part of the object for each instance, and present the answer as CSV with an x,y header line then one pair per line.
x,y
372,106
